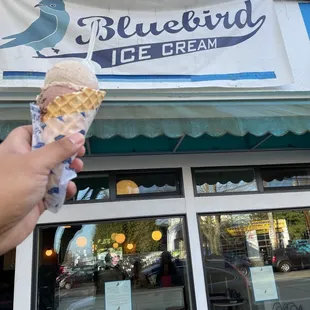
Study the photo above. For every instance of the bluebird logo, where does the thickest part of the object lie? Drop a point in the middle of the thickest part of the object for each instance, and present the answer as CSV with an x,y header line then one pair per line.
x,y
189,22
45,32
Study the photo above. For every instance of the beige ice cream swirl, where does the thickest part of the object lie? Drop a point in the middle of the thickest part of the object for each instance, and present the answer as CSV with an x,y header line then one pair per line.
x,y
65,78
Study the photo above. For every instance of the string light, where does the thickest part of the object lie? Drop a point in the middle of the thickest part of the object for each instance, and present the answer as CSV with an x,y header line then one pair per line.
x,y
157,235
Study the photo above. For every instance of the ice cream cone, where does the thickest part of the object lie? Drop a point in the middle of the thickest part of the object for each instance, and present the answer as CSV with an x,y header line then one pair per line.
x,y
78,102
66,115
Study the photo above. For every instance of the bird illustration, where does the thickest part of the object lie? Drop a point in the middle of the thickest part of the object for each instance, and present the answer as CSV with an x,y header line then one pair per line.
x,y
45,32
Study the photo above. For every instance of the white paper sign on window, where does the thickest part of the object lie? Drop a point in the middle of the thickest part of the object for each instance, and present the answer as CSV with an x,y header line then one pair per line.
x,y
118,295
264,284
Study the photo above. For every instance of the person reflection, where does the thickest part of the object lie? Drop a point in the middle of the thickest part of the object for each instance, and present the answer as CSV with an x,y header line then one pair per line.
x,y
168,274
139,279
95,278
108,260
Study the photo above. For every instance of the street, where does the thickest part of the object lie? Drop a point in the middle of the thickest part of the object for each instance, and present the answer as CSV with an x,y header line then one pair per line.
x,y
294,287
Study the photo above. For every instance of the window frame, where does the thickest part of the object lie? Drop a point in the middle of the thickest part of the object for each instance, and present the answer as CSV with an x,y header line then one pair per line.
x,y
227,212
285,188
257,171
36,248
112,176
179,193
220,169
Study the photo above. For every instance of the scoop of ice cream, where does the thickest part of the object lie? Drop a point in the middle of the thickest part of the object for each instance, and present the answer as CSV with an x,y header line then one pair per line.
x,y
54,90
73,72
64,78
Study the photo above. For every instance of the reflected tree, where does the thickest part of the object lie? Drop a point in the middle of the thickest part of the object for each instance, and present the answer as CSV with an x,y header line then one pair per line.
x,y
296,223
224,230
215,229
211,229
138,233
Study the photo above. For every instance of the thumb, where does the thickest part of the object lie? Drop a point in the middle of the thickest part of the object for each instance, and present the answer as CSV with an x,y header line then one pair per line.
x,y
50,155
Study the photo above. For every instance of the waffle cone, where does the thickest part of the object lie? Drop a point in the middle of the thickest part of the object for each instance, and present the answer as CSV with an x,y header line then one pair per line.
x,y
83,101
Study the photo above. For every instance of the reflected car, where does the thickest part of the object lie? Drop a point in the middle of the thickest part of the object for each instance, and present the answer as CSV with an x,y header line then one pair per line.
x,y
76,278
221,275
290,258
59,280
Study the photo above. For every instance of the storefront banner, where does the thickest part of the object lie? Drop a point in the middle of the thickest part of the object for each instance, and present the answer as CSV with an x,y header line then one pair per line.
x,y
227,44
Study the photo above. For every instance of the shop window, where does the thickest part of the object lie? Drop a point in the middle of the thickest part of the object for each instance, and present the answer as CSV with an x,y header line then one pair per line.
x,y
282,177
98,187
92,187
148,184
215,181
82,266
257,260
7,273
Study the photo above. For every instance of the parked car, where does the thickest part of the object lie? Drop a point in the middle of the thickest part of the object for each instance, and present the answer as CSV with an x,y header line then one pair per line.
x,y
76,277
294,257
59,280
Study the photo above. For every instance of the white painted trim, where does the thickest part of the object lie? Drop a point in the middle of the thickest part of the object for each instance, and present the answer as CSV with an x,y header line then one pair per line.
x,y
23,275
116,210
194,240
195,160
251,202
18,93
188,206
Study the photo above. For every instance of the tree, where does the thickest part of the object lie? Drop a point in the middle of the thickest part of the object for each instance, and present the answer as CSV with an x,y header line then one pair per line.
x,y
138,233
224,231
296,223
210,227
215,228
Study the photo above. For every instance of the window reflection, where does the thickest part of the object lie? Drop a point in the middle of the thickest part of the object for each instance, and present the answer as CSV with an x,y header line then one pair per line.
x,y
229,181
151,183
92,187
150,253
235,245
285,177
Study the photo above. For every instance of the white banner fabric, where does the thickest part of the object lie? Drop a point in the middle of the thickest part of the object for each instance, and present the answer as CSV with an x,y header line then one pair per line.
x,y
227,44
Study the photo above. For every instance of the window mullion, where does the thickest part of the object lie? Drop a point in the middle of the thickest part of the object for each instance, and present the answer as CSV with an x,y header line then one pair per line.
x,y
194,241
259,180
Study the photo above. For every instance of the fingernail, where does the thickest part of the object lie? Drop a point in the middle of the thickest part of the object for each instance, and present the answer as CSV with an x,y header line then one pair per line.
x,y
77,139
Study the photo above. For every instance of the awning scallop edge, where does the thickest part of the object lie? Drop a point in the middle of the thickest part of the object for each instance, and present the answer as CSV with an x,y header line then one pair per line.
x,y
193,119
